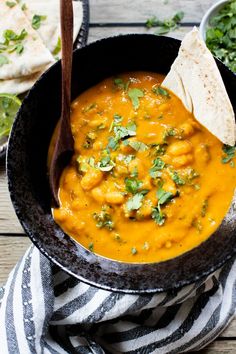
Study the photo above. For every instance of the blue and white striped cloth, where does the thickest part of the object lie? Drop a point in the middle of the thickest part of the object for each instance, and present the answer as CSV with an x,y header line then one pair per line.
x,y
44,310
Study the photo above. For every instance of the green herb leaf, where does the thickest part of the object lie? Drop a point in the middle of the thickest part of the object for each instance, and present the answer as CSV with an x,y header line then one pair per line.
x,y
160,91
157,166
134,94
91,246
179,181
105,164
104,219
10,35
134,250
23,7
204,208
132,185
166,25
3,60
57,49
10,4
158,216
135,202
136,145
229,153
163,196
36,21
112,143
119,83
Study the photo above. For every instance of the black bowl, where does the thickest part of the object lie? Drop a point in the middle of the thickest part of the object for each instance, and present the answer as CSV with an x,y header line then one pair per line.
x,y
28,183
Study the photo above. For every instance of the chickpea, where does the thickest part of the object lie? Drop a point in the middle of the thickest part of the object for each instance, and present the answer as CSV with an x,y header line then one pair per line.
x,y
114,198
180,148
187,129
182,160
60,214
91,179
169,186
98,195
126,148
94,123
137,164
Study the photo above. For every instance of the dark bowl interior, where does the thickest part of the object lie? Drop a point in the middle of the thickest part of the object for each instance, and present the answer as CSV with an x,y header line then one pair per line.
x,y
28,183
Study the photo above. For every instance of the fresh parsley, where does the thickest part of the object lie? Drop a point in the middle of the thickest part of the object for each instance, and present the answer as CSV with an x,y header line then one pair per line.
x,y
103,219
135,94
158,90
229,154
36,21
136,145
3,60
57,49
120,84
135,202
106,164
163,198
10,3
132,185
166,25
179,181
158,165
221,35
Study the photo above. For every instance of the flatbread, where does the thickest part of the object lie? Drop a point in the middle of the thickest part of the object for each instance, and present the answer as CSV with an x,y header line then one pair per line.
x,y
196,80
35,56
49,29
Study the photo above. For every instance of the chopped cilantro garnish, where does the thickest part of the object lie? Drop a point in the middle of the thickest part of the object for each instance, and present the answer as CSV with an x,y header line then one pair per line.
x,y
157,166
136,145
10,3
23,7
36,21
132,185
179,181
134,94
146,246
105,164
197,224
168,132
163,198
135,202
160,91
89,107
166,25
221,34
204,208
112,143
134,250
104,219
229,154
91,246
3,60
118,82
57,49
10,35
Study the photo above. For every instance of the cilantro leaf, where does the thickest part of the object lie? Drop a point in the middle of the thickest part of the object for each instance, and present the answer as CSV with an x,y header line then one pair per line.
x,y
119,83
132,185
10,3
229,153
135,202
36,21
158,165
57,49
158,216
3,60
136,145
166,25
134,94
163,196
103,220
160,91
179,181
105,164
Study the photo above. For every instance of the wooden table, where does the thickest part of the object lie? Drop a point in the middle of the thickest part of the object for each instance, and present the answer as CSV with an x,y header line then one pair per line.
x,y
108,18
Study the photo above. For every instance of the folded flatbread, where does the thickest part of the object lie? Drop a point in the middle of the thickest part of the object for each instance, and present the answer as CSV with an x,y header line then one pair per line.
x,y
196,80
34,57
49,29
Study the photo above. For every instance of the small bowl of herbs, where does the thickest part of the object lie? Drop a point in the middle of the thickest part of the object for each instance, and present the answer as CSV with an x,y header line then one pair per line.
x,y
218,29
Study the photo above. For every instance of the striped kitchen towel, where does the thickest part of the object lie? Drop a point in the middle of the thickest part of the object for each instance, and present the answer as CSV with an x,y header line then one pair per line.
x,y
45,310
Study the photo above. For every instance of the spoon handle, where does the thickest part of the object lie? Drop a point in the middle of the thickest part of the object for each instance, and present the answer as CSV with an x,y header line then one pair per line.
x,y
67,50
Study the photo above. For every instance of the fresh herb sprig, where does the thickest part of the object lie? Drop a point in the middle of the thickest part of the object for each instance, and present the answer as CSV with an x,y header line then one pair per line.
x,y
166,25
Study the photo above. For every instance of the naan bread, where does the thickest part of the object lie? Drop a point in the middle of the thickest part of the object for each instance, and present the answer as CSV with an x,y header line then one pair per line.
x,y
49,29
35,56
196,80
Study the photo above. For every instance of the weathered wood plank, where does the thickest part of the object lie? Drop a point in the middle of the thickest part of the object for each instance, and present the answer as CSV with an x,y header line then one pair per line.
x,y
11,250
8,220
219,347
96,33
123,11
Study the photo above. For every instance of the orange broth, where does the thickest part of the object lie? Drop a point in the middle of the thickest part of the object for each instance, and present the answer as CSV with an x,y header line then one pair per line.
x,y
146,182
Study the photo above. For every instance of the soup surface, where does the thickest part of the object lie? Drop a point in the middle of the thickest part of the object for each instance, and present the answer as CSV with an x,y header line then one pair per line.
x,y
147,182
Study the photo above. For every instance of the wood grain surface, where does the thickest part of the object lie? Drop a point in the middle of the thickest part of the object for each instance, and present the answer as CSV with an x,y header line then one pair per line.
x,y
109,18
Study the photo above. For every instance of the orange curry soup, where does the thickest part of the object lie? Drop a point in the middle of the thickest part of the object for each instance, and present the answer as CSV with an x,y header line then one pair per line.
x,y
147,182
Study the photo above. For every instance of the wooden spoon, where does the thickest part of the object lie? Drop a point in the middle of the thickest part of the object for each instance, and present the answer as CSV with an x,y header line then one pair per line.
x,y
64,143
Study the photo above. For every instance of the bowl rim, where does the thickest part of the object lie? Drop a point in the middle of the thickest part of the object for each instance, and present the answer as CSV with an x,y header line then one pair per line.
x,y
157,289
208,14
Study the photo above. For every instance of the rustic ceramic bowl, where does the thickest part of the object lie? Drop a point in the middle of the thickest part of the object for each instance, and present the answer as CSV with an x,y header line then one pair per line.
x,y
28,182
